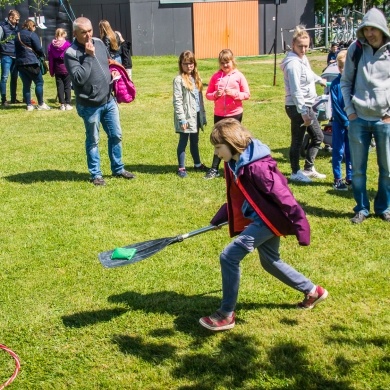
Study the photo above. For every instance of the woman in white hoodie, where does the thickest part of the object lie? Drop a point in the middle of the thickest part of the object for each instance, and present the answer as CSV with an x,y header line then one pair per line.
x,y
299,82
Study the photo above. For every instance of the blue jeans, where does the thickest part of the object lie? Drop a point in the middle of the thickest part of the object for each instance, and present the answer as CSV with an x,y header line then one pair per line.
x,y
108,115
256,236
27,79
340,150
360,133
7,67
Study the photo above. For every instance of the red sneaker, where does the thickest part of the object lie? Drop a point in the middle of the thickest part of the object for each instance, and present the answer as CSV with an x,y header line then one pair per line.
x,y
218,321
313,299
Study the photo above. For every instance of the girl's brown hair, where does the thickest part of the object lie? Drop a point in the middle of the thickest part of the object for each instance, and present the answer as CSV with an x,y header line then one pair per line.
x,y
231,132
188,56
106,31
227,55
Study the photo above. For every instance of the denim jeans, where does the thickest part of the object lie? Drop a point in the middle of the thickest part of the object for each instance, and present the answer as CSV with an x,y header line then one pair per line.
x,y
27,79
108,115
256,236
7,67
360,133
297,134
340,150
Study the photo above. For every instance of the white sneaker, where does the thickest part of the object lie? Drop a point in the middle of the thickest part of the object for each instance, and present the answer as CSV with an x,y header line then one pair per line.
x,y
300,177
313,174
30,107
68,107
43,107
62,107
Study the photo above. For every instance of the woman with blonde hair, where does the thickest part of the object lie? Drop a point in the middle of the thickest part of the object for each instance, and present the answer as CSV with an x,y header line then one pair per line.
x,y
300,94
111,39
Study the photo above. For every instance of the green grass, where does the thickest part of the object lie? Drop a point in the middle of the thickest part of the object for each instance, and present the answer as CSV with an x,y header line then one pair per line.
x,y
76,325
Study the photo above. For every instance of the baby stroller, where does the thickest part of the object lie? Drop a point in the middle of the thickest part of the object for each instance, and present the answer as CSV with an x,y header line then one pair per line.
x,y
323,108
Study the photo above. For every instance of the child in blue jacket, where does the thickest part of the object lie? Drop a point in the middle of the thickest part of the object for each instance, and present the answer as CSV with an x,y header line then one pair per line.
x,y
340,143
260,209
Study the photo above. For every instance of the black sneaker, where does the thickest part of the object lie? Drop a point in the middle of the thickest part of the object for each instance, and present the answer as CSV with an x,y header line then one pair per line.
x,y
348,182
15,101
358,218
339,185
212,174
201,168
125,175
98,181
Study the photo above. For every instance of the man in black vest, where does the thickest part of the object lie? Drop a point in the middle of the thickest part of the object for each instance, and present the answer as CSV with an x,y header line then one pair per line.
x,y
8,30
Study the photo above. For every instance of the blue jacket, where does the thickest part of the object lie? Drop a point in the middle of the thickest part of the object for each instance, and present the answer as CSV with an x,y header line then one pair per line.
x,y
255,183
8,48
24,55
338,105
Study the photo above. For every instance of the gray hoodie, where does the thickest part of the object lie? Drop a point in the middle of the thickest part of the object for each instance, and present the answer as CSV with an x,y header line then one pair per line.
x,y
371,100
299,81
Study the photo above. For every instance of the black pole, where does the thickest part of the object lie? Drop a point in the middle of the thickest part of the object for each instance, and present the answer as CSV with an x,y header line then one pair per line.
x,y
276,37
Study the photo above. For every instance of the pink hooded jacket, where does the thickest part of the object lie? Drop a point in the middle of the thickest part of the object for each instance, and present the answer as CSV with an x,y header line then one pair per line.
x,y
228,105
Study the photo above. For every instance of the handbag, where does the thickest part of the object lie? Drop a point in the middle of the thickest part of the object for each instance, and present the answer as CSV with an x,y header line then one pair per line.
x,y
43,65
41,60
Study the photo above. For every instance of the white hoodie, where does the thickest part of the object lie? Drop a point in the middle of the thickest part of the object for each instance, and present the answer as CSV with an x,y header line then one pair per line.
x,y
299,81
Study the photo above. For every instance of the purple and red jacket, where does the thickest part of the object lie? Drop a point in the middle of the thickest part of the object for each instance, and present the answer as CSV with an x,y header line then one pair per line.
x,y
255,178
56,51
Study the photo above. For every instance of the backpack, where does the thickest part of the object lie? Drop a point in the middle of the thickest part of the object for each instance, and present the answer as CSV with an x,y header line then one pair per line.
x,y
123,88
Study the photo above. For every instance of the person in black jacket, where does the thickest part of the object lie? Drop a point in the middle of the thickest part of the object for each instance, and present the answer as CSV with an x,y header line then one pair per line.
x,y
27,50
8,30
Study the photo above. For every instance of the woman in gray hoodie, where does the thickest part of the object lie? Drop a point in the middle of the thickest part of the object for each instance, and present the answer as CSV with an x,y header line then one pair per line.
x,y
366,93
300,90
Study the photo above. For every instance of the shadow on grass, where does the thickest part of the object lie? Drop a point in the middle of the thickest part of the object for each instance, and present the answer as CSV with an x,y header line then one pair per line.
x,y
236,360
47,176
186,308
86,318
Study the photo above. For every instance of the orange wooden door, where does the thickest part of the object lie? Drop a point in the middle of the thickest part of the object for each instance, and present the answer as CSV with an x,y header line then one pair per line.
x,y
222,25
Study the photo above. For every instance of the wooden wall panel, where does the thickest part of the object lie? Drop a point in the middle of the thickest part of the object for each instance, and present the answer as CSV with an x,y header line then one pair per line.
x,y
222,25
243,27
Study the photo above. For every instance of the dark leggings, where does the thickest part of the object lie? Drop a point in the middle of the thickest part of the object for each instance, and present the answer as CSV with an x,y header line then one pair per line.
x,y
63,83
297,135
194,147
216,159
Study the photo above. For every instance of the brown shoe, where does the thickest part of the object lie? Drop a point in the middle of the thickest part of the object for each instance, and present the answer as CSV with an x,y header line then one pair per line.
x,y
98,181
125,175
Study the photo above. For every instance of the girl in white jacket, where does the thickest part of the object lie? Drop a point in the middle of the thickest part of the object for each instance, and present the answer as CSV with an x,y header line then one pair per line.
x,y
189,112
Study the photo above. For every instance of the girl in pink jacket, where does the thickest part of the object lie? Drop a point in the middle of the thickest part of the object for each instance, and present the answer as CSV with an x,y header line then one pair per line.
x,y
227,88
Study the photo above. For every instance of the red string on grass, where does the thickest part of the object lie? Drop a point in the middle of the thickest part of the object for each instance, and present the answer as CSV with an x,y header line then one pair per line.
x,y
17,366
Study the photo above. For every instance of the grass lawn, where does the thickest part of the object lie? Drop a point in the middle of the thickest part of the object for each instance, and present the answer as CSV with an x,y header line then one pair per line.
x,y
77,325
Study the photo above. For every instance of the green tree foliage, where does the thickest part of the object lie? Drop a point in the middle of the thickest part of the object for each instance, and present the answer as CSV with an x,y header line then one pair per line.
x,y
4,3
337,5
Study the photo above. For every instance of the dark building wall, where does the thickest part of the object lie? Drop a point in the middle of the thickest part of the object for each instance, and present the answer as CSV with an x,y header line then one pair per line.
x,y
160,29
290,14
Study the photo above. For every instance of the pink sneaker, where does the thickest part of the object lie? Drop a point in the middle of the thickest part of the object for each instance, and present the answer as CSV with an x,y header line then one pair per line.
x,y
218,321
313,299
